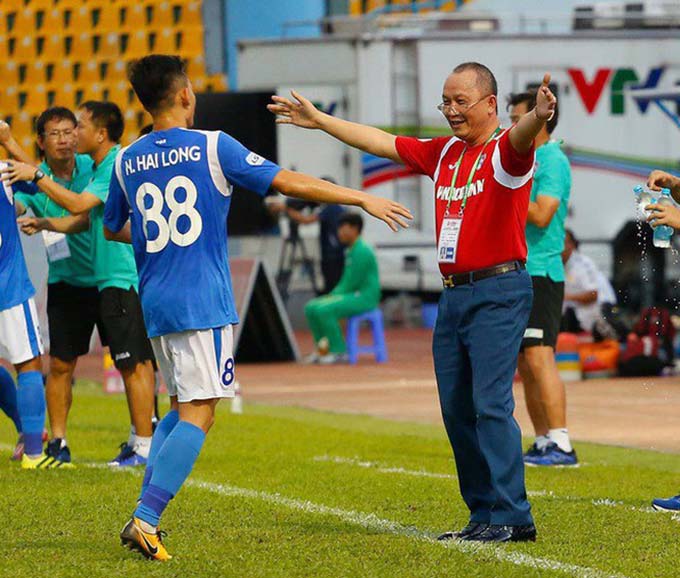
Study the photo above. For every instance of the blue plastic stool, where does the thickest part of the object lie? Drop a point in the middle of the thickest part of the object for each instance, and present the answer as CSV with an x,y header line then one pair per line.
x,y
375,318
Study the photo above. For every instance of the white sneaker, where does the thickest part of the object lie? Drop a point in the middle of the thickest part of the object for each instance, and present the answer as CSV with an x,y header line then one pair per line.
x,y
311,358
333,358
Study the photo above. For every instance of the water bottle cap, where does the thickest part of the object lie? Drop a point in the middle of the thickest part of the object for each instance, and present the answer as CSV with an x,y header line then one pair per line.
x,y
637,189
666,192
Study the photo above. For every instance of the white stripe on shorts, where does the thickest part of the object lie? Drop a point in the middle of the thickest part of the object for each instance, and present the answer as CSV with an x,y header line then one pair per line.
x,y
20,339
197,364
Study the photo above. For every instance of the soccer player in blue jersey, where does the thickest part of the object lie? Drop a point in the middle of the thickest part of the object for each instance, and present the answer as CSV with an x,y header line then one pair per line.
x,y
174,186
100,127
20,341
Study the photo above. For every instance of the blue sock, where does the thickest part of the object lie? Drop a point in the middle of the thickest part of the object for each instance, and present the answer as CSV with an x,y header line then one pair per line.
x,y
31,403
8,397
163,429
172,467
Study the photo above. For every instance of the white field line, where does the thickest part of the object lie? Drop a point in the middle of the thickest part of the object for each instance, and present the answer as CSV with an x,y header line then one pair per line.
x,y
375,523
372,522
375,466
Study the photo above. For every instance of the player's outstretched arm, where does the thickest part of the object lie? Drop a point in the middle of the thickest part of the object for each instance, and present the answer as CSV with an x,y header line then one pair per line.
x,y
70,224
308,188
15,171
522,135
301,112
12,147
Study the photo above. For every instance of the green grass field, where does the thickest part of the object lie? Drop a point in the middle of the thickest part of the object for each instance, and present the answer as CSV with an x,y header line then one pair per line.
x,y
290,492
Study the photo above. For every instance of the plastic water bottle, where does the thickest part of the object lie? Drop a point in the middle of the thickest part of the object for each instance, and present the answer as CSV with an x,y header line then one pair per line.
x,y
642,198
237,400
663,233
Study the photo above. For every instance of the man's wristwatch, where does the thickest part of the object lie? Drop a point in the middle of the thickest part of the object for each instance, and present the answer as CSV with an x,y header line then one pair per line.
x,y
38,175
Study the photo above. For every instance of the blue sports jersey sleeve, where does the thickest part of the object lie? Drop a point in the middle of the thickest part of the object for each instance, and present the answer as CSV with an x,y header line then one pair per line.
x,y
26,187
116,209
244,167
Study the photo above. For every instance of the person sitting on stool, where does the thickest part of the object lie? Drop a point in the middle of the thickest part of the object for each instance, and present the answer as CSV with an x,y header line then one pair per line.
x,y
358,291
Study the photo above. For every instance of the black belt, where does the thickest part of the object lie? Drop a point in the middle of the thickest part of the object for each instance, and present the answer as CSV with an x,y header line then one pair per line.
x,y
465,278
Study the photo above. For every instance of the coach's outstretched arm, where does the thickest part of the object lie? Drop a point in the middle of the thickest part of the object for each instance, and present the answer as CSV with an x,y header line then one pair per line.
x,y
69,224
522,135
304,114
74,203
303,186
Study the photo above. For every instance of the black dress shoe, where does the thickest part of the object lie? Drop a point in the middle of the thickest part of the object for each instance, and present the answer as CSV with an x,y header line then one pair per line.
x,y
495,533
472,529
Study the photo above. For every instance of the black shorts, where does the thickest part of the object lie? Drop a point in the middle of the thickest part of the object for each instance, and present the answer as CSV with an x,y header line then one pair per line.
x,y
121,313
546,313
72,313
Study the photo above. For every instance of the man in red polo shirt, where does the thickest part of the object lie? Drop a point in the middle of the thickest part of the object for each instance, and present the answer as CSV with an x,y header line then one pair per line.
x,y
482,176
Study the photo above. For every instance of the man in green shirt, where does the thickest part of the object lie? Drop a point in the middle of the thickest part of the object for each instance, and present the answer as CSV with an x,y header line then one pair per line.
x,y
357,291
100,127
72,296
544,391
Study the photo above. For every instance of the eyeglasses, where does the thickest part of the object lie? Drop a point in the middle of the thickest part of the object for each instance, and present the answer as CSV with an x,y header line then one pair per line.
x,y
55,134
458,108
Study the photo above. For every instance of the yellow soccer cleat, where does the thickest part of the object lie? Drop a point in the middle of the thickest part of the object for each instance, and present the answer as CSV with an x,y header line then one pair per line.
x,y
148,544
44,462
41,462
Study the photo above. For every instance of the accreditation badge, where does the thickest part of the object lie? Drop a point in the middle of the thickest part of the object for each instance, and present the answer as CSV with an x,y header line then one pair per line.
x,y
448,239
56,246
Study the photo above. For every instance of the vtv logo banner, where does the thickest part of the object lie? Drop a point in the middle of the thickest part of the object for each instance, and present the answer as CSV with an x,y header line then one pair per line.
x,y
590,90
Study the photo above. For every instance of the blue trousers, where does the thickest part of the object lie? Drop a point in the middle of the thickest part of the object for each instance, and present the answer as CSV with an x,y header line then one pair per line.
x,y
476,341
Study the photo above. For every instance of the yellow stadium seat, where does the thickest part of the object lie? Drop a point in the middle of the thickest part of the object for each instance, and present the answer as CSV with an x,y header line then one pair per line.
x,y
41,4
63,4
24,48
34,73
79,46
106,18
117,70
8,98
217,83
4,47
136,44
119,93
190,42
54,47
133,17
21,123
60,72
85,92
163,41
64,95
159,15
199,83
191,14
21,22
86,71
110,47
77,19
196,66
52,21
9,72
33,99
